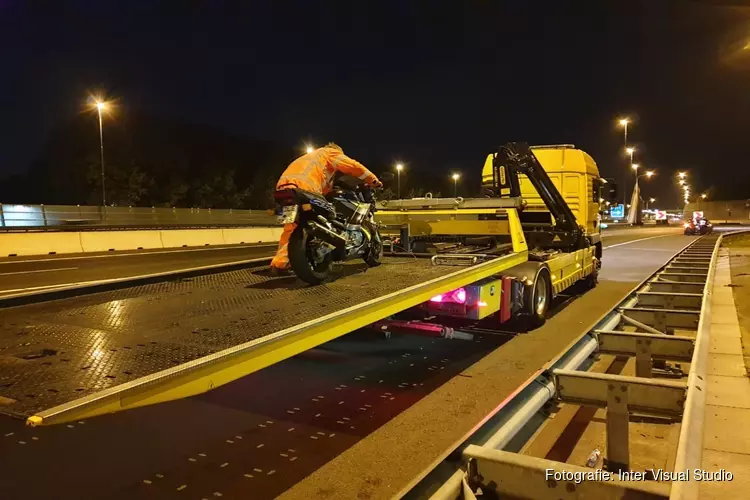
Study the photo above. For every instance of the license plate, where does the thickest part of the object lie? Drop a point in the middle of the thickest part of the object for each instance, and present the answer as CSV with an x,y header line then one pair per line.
x,y
288,215
448,308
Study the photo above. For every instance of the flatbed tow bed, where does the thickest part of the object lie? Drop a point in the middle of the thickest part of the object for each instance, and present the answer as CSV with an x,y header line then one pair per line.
x,y
84,356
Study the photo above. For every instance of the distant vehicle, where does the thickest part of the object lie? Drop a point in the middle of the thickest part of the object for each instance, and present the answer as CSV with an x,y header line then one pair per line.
x,y
701,226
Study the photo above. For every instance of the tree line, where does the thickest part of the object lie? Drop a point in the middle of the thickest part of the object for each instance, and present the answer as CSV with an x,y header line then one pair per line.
x,y
155,161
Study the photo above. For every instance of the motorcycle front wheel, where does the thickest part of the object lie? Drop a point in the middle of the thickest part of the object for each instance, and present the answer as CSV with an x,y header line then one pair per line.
x,y
374,255
305,256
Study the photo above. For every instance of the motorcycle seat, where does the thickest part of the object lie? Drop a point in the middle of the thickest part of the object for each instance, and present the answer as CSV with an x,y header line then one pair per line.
x,y
281,194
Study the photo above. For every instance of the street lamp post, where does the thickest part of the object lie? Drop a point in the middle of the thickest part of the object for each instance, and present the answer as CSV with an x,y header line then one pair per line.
x,y
101,106
648,174
624,124
629,151
399,168
455,185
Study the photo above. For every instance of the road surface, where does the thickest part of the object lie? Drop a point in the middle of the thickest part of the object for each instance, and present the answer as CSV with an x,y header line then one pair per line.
x,y
25,274
355,418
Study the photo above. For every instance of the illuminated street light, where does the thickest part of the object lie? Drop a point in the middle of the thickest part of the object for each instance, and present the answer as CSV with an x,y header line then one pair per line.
x,y
624,124
100,107
455,184
682,175
309,149
703,196
648,175
652,200
682,182
635,166
399,168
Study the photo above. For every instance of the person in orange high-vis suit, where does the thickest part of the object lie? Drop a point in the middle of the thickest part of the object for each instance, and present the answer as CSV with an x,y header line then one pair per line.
x,y
315,172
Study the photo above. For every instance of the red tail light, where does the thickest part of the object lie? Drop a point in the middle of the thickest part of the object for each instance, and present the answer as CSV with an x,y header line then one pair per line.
x,y
456,296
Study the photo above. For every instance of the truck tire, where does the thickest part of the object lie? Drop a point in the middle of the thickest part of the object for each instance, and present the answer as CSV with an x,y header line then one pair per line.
x,y
590,281
301,258
538,298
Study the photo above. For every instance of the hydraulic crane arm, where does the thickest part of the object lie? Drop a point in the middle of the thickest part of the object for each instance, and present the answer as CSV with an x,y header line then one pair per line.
x,y
517,158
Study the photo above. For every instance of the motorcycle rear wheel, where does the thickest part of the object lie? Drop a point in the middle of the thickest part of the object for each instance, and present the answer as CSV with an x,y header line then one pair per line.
x,y
303,258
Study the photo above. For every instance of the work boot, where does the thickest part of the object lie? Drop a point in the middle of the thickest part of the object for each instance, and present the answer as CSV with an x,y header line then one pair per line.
x,y
278,272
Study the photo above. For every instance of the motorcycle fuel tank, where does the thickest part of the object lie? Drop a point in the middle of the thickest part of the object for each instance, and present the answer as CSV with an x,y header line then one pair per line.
x,y
351,211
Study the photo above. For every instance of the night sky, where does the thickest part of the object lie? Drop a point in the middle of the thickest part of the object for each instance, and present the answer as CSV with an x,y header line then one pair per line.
x,y
436,85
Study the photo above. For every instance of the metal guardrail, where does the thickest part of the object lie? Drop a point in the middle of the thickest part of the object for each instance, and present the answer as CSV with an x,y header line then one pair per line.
x,y
69,217
17,218
677,296
690,445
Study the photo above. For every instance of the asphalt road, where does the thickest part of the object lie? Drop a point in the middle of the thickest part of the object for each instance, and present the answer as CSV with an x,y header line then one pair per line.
x,y
19,275
355,418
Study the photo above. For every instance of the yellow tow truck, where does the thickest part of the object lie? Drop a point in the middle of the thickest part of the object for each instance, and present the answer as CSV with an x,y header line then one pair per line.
x,y
540,201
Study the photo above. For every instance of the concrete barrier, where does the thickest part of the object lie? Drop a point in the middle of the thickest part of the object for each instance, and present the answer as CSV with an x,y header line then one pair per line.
x,y
106,241
45,243
191,238
252,235
19,244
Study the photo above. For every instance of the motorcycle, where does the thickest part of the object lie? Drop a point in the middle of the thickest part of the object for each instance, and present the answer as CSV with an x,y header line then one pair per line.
x,y
699,227
334,228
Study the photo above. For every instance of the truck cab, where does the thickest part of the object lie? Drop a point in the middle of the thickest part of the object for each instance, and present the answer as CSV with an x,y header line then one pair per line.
x,y
575,175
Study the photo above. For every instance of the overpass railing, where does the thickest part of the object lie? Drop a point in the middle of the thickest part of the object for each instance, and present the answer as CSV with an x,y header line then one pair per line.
x,y
61,217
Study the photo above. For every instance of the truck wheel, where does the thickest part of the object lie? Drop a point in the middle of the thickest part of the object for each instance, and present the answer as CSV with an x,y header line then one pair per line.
x,y
590,281
305,257
538,298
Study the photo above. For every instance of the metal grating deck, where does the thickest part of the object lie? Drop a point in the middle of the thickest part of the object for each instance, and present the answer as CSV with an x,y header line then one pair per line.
x,y
52,353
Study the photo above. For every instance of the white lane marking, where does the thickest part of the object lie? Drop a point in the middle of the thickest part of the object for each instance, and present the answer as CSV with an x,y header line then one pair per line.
x,y
82,284
181,250
636,241
620,232
40,271
43,287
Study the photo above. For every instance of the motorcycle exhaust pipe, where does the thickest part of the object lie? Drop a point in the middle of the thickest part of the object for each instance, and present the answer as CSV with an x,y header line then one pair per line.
x,y
327,235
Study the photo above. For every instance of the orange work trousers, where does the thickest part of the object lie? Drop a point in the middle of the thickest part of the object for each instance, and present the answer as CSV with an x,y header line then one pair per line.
x,y
281,259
